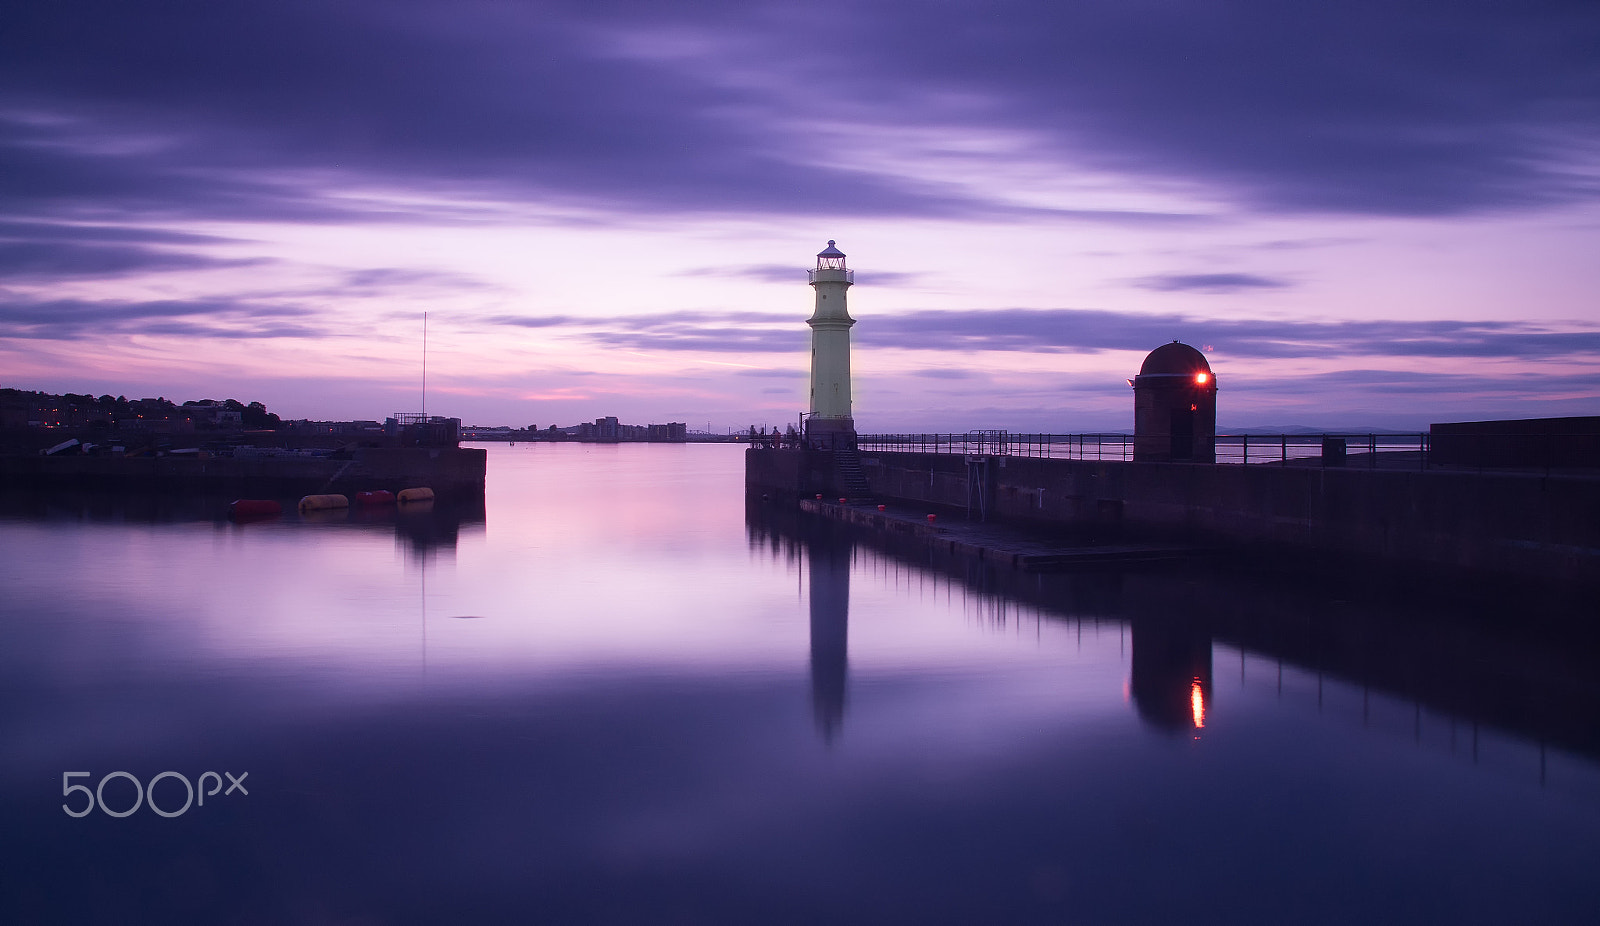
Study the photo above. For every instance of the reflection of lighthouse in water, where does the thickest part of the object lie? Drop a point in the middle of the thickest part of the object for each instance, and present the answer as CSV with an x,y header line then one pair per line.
x,y
830,630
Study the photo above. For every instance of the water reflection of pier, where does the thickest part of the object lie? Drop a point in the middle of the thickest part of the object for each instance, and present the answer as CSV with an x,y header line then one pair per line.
x,y
1455,674
422,530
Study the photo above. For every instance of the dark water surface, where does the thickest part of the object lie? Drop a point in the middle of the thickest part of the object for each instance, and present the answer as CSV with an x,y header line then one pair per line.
x,y
613,694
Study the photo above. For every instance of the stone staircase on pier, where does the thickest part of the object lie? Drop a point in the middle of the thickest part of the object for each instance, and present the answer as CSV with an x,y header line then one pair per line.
x,y
852,478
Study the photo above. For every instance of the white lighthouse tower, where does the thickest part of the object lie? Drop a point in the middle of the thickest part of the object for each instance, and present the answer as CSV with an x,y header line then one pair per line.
x,y
829,423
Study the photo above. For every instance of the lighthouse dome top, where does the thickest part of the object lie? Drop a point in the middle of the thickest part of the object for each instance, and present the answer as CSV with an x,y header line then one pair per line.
x,y
830,258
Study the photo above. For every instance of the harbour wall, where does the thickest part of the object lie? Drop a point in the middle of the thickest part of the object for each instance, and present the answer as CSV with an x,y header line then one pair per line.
x,y
1517,524
799,473
449,471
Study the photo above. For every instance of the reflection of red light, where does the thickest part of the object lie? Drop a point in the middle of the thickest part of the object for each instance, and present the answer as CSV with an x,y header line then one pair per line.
x,y
1201,378
1194,408
1197,704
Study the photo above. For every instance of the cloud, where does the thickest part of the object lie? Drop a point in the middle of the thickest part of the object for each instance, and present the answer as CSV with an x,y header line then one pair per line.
x,y
56,259
534,321
35,231
34,250
717,332
775,373
792,273
74,319
767,273
705,339
1088,331
238,109
1207,282
1531,385
944,373
384,279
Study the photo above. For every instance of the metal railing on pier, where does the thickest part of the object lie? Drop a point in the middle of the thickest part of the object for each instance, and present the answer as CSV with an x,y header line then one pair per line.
x,y
1346,449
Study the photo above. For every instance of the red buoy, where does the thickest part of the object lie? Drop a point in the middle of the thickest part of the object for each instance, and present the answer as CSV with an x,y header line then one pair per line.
x,y
375,497
930,518
254,509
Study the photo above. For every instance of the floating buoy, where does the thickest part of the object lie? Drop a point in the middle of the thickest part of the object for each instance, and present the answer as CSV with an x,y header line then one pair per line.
x,y
819,498
323,502
931,517
415,495
842,501
882,507
251,509
375,497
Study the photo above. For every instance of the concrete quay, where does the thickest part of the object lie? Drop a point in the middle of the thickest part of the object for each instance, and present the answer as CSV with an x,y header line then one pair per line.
x,y
1516,524
450,471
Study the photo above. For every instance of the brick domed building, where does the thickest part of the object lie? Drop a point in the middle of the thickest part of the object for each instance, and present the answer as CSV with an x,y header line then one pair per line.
x,y
1175,407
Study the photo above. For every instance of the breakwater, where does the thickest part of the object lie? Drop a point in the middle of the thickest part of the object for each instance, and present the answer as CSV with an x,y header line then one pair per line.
x,y
449,471
1520,524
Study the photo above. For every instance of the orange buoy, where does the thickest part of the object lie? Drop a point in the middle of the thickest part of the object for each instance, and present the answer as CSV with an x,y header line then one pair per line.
x,y
415,495
323,502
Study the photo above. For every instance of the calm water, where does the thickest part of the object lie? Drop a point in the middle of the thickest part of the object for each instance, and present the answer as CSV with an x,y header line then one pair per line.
x,y
616,695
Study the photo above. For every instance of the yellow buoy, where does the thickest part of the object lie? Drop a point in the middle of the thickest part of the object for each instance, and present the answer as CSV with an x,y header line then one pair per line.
x,y
321,502
414,495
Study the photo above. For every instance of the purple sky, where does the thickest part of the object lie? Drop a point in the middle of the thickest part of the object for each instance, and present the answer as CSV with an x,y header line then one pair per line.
x,y
1367,214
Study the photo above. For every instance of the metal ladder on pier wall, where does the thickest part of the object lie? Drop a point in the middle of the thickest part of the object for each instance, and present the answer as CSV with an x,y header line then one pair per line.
x,y
351,468
852,478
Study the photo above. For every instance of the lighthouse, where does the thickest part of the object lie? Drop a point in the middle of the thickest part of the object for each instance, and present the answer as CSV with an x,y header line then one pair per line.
x,y
829,423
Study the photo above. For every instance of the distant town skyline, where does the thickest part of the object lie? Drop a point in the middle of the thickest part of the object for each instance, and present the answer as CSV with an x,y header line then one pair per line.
x,y
1365,215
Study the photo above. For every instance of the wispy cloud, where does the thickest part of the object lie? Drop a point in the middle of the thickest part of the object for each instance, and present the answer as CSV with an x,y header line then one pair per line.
x,y
535,321
767,273
386,278
775,373
791,273
1089,331
53,260
1207,282
1527,385
73,319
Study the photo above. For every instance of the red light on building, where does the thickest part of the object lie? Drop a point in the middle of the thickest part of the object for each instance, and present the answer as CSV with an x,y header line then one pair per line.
x,y
1202,378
